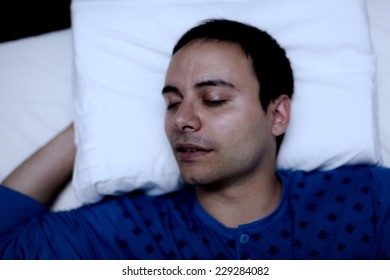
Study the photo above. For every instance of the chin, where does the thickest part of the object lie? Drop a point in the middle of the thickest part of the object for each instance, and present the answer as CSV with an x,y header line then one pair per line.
x,y
193,179
201,176
203,182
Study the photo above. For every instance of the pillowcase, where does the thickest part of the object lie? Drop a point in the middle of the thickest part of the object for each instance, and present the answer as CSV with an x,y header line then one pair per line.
x,y
380,34
123,48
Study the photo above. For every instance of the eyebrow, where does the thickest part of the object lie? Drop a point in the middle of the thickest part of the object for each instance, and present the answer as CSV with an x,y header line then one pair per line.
x,y
215,83
207,83
168,89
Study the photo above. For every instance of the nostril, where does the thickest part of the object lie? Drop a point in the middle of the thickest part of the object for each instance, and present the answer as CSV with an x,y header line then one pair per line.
x,y
186,128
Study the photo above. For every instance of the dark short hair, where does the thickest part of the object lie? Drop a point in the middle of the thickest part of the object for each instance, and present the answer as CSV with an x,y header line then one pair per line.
x,y
269,61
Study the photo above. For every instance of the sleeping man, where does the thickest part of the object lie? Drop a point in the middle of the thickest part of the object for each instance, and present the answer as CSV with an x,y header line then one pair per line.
x,y
227,90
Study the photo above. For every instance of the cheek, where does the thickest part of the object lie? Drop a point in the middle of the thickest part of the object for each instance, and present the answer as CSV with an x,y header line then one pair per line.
x,y
244,131
241,120
168,127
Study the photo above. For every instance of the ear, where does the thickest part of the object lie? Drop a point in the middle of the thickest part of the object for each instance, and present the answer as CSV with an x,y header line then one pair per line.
x,y
280,109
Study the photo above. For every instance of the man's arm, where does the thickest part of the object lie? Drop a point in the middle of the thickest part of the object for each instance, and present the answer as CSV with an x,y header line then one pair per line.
x,y
43,175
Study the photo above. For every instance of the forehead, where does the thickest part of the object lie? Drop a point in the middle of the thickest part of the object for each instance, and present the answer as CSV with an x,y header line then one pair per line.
x,y
209,46
209,59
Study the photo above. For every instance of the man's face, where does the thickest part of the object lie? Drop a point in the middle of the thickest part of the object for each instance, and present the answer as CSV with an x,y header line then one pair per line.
x,y
214,121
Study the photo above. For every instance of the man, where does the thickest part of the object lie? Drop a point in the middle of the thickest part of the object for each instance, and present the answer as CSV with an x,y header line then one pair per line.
x,y
227,90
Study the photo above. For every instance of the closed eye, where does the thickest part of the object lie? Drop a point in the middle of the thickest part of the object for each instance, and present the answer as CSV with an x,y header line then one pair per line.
x,y
214,103
172,105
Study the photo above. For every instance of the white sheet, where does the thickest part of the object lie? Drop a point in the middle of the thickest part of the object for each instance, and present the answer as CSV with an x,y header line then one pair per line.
x,y
35,97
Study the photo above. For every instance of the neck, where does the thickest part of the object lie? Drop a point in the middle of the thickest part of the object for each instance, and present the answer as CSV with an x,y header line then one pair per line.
x,y
243,202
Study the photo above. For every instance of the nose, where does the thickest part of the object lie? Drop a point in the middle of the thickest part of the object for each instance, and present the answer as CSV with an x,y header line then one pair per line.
x,y
186,118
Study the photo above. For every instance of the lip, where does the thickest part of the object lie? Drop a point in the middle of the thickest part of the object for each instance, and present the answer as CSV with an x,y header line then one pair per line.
x,y
190,152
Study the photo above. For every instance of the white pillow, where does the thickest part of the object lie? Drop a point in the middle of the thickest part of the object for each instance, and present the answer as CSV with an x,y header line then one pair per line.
x,y
378,11
122,50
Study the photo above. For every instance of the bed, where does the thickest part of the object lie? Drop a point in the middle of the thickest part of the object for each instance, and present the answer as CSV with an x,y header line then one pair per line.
x,y
41,77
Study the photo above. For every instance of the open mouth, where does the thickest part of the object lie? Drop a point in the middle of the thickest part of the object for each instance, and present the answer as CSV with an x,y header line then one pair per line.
x,y
188,152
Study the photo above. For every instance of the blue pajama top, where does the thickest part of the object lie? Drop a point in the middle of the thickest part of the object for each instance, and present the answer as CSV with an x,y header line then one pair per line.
x,y
337,214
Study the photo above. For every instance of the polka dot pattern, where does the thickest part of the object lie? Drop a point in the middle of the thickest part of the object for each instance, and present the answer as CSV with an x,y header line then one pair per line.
x,y
338,214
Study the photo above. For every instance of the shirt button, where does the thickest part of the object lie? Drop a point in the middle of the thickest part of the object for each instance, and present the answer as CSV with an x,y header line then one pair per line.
x,y
244,238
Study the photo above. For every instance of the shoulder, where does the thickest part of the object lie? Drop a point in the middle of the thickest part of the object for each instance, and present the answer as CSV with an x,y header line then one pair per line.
x,y
342,176
351,204
337,185
140,202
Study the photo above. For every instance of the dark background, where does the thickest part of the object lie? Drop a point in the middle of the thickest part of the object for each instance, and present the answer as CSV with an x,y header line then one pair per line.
x,y
19,19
